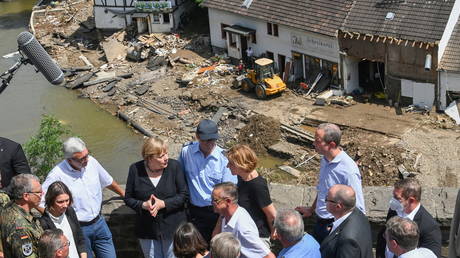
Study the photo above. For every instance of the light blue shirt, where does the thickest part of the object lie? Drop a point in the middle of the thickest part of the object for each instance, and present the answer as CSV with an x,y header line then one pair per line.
x,y
341,170
308,247
203,173
245,230
419,253
85,185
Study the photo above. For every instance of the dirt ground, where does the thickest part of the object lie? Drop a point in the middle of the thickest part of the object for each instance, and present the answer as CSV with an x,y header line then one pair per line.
x,y
186,83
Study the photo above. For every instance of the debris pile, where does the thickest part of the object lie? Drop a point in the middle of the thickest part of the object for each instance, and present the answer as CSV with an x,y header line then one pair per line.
x,y
260,133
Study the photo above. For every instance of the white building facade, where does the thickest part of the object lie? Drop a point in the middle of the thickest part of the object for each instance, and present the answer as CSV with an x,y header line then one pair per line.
x,y
306,52
149,16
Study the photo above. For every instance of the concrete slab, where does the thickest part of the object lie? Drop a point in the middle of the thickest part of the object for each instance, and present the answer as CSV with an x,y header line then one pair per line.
x,y
114,50
371,117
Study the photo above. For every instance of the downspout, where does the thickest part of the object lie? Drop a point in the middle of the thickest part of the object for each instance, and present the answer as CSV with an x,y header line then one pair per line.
x,y
437,92
124,10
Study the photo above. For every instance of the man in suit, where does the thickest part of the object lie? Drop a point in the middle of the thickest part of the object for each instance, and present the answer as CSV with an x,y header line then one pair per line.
x,y
406,204
350,235
12,161
402,237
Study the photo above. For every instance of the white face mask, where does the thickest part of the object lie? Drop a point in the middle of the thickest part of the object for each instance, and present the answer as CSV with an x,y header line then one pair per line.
x,y
396,206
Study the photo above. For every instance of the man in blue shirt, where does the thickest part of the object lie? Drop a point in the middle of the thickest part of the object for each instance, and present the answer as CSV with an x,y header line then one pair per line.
x,y
289,230
336,168
204,165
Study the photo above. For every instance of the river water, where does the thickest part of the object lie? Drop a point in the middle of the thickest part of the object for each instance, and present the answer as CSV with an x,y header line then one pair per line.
x,y
29,96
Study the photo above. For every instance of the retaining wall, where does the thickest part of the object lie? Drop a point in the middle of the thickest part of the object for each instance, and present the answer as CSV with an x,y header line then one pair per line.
x,y
440,202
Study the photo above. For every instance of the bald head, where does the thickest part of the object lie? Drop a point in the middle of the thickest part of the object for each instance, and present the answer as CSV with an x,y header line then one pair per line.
x,y
343,194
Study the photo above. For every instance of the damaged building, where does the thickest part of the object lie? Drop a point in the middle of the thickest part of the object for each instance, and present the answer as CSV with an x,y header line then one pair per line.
x,y
300,36
393,46
147,16
449,68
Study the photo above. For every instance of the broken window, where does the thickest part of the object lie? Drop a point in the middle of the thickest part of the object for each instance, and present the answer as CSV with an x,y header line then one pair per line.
x,y
224,33
166,18
269,28
312,68
232,40
331,69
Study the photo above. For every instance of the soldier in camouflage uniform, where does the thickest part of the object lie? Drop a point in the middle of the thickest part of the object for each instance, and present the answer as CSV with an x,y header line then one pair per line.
x,y
20,230
4,200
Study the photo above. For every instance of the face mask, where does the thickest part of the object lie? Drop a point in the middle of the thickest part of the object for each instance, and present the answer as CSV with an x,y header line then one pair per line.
x,y
396,205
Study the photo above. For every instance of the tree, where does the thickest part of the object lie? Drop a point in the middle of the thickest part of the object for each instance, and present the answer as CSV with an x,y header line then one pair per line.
x,y
45,148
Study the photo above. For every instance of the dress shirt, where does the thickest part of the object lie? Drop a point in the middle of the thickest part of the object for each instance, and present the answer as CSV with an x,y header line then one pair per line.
x,y
86,186
388,253
245,230
62,223
305,248
203,173
341,170
418,253
337,223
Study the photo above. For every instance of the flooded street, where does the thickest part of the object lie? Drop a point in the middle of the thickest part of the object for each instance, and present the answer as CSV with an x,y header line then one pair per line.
x,y
29,96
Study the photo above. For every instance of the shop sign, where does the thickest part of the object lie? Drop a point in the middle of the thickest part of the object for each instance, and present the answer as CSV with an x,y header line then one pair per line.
x,y
152,6
312,43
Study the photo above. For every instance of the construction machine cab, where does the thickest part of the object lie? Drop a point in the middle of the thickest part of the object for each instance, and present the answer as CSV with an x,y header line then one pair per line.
x,y
263,79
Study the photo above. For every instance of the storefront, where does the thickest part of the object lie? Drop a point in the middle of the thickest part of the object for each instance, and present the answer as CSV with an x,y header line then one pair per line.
x,y
315,59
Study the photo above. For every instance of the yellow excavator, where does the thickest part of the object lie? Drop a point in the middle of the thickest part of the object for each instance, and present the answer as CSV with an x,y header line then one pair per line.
x,y
263,79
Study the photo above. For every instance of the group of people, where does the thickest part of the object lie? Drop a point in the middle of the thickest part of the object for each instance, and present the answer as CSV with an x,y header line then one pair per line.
x,y
208,203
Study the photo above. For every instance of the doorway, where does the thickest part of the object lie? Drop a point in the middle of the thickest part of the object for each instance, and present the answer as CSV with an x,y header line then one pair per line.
x,y
281,64
372,76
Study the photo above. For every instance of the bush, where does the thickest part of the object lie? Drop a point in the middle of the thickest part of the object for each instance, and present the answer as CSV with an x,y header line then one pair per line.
x,y
44,149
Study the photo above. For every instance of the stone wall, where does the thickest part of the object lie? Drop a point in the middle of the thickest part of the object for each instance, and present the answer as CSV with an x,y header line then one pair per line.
x,y
440,202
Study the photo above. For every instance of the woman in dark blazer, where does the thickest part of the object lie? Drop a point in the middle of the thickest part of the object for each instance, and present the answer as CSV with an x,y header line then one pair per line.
x,y
60,214
157,191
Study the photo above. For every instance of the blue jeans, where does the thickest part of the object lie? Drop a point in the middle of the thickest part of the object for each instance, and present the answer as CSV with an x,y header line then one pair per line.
x,y
157,248
98,239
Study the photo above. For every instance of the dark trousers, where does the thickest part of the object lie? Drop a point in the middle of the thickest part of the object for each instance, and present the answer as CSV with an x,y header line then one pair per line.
x,y
204,219
322,228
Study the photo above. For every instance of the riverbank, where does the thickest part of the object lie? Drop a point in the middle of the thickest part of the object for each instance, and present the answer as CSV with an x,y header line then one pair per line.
x,y
166,83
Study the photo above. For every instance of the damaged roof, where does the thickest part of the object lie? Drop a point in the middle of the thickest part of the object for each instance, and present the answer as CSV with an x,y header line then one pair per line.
x,y
419,20
451,58
319,16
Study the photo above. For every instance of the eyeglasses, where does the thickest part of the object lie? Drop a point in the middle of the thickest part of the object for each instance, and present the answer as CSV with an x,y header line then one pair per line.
x,y
217,201
38,193
81,160
327,200
66,244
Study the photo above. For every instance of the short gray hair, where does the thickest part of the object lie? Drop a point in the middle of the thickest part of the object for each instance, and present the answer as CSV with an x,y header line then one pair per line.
x,y
229,190
404,231
73,145
21,184
332,133
50,242
225,245
289,225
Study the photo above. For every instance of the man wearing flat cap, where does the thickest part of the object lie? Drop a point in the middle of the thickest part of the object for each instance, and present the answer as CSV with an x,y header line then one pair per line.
x,y
204,165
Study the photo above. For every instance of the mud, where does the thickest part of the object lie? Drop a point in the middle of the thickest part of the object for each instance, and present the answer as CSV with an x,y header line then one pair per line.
x,y
181,82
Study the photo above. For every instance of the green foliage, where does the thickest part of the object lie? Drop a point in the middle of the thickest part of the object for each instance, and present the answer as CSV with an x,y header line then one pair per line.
x,y
199,1
45,148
